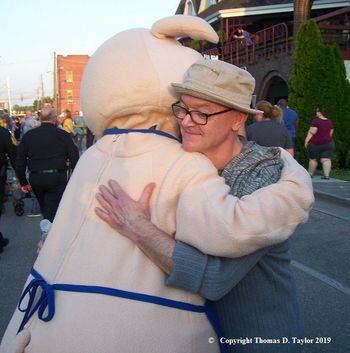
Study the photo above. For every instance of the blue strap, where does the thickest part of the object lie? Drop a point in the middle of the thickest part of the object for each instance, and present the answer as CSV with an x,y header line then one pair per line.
x,y
46,301
116,131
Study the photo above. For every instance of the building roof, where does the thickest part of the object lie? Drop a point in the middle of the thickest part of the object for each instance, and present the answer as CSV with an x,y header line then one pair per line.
x,y
240,8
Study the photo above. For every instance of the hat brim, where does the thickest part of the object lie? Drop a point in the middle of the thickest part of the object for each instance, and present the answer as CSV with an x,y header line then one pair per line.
x,y
211,97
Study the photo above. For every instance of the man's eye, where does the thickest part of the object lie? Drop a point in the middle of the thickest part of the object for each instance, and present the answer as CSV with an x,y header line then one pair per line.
x,y
201,115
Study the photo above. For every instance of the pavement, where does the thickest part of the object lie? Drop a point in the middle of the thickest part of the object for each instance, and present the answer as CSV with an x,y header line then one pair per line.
x,y
332,198
332,190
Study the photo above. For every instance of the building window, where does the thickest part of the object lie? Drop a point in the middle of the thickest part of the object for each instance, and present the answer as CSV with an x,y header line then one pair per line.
x,y
69,76
69,96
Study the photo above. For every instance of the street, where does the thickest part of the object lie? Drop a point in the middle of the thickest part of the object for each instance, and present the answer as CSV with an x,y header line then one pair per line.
x,y
320,252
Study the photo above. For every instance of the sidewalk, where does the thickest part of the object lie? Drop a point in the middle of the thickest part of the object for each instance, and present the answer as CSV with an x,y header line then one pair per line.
x,y
332,190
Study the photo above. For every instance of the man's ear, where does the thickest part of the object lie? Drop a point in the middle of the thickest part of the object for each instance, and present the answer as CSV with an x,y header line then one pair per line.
x,y
239,121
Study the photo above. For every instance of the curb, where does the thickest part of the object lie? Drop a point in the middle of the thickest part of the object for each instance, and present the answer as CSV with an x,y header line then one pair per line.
x,y
331,197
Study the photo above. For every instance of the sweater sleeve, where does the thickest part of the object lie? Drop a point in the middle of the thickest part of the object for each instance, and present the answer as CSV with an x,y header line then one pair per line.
x,y
211,277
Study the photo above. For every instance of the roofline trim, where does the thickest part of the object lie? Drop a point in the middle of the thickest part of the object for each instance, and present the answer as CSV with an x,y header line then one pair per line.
x,y
271,9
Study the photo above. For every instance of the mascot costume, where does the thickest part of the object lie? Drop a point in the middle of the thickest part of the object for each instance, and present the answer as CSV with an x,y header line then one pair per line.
x,y
92,290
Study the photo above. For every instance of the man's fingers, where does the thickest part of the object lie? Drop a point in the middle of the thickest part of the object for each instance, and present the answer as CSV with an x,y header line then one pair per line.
x,y
105,190
147,194
103,202
116,189
103,215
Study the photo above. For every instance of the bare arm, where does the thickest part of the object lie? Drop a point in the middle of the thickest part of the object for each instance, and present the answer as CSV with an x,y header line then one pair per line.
x,y
132,219
312,131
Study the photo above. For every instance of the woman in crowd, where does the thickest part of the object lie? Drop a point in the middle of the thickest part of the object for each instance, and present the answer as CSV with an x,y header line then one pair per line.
x,y
268,129
319,143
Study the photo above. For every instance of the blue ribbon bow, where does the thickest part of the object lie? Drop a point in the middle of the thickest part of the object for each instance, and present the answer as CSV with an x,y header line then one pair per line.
x,y
45,301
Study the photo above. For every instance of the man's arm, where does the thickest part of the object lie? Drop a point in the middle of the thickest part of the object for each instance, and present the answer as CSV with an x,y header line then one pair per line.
x,y
73,152
10,150
21,163
189,269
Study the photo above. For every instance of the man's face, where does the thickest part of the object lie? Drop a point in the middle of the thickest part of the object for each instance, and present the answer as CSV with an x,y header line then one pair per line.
x,y
213,137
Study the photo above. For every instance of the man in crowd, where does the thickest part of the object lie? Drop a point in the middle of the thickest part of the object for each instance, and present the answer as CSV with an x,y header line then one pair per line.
x,y
30,122
290,119
7,151
46,151
255,295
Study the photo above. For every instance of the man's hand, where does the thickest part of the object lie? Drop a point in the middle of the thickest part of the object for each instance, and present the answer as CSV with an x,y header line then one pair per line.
x,y
26,188
123,213
133,220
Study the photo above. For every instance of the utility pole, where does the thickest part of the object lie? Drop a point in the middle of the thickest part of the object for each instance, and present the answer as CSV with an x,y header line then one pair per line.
x,y
55,81
9,96
42,88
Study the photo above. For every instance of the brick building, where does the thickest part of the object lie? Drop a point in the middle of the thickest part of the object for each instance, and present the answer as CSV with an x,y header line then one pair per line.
x,y
69,72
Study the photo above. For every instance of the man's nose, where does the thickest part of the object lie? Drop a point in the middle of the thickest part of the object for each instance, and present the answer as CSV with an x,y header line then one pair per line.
x,y
187,121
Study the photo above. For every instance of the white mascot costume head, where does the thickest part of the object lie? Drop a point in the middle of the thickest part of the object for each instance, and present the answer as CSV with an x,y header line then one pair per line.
x,y
91,290
126,82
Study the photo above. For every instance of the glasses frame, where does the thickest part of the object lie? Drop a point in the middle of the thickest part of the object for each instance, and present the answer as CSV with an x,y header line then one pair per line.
x,y
188,112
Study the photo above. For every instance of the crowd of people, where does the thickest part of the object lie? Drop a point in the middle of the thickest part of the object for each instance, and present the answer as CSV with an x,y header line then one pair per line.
x,y
42,149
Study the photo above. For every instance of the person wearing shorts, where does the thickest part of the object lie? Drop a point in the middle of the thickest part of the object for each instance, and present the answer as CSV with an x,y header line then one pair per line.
x,y
320,144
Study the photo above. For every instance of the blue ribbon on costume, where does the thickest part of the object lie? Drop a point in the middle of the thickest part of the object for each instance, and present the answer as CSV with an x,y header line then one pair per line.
x,y
116,131
46,301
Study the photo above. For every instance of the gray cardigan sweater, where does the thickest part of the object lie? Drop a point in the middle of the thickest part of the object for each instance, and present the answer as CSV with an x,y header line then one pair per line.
x,y
255,295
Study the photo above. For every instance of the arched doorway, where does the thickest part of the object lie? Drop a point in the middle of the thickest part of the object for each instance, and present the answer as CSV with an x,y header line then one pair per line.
x,y
273,87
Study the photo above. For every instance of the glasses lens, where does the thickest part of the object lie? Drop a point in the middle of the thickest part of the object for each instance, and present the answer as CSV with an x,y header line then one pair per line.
x,y
196,116
199,117
179,112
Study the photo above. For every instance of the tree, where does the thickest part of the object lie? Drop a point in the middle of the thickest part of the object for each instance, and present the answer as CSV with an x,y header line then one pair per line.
x,y
305,77
340,109
318,78
302,10
38,104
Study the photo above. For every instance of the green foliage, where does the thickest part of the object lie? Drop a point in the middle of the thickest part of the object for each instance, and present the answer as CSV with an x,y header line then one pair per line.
x,y
195,45
21,108
318,78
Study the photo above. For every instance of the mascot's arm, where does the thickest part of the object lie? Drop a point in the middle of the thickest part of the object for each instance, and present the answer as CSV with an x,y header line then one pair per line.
x,y
219,224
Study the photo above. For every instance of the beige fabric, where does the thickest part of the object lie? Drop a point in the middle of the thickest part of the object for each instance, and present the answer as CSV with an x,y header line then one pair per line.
x,y
81,249
127,84
219,82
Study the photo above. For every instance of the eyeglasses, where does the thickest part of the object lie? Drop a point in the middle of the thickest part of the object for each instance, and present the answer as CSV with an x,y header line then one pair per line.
x,y
196,116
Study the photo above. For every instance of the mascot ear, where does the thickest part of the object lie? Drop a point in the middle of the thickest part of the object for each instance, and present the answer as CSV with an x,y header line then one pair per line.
x,y
184,26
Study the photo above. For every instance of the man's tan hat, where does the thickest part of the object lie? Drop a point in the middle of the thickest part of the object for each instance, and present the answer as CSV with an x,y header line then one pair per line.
x,y
219,82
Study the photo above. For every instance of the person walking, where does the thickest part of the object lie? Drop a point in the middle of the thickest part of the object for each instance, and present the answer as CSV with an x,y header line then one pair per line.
x,y
291,120
79,130
268,130
319,143
30,122
7,151
68,124
46,151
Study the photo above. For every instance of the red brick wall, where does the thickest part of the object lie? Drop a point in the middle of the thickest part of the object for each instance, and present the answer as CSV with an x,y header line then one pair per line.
x,y
75,64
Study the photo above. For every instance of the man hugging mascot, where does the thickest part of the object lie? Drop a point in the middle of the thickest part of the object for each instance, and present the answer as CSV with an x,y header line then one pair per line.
x,y
92,290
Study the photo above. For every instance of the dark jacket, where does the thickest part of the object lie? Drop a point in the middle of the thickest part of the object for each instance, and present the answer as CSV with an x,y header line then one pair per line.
x,y
43,148
7,149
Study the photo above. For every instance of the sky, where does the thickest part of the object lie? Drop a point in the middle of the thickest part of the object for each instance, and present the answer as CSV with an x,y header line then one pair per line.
x,y
32,30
